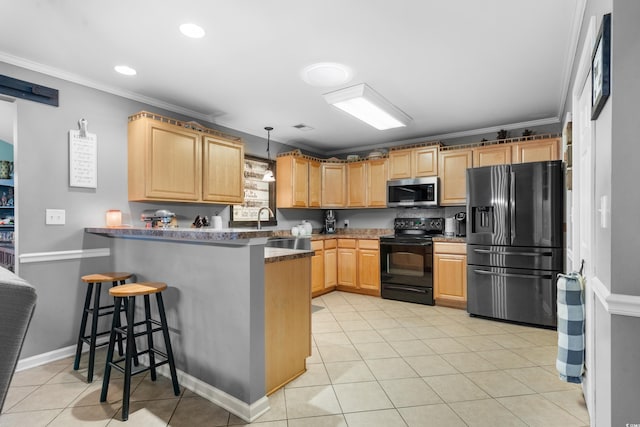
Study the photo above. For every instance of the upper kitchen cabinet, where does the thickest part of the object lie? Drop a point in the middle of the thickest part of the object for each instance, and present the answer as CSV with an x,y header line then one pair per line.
x,y
536,151
222,175
292,182
453,166
490,155
171,162
413,162
334,183
357,183
377,183
315,184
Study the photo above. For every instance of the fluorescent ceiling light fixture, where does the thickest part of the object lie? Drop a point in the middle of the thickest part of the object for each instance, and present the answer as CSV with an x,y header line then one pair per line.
x,y
365,104
125,69
324,74
192,30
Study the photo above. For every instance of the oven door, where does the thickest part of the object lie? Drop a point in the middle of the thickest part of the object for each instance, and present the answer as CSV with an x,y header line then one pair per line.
x,y
407,263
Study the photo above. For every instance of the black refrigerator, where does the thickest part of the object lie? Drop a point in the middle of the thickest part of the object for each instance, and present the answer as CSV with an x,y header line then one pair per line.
x,y
515,241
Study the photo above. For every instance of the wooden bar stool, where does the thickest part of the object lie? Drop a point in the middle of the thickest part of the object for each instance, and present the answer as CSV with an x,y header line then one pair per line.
x,y
96,311
127,293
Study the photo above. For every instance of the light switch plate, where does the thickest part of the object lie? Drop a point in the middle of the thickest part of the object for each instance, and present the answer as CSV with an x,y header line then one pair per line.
x,y
55,216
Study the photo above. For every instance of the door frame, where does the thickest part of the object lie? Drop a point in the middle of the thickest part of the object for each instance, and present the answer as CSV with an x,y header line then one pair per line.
x,y
582,82
11,107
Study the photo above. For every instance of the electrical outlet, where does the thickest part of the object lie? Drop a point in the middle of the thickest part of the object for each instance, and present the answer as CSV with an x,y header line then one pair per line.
x,y
346,223
55,217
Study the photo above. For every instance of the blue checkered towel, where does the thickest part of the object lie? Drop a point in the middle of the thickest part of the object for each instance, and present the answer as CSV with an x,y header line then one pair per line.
x,y
570,362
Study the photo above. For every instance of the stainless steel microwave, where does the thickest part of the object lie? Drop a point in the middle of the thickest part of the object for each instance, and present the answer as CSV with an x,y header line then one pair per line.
x,y
414,192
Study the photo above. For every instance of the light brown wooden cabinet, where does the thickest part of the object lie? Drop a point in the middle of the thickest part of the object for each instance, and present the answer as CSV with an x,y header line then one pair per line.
x,y
334,185
369,265
330,264
287,321
452,168
222,175
168,162
357,184
536,151
492,155
377,183
413,162
317,267
292,182
315,184
450,274
347,263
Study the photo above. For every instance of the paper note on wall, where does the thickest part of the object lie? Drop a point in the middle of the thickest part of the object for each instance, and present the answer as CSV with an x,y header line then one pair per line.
x,y
83,160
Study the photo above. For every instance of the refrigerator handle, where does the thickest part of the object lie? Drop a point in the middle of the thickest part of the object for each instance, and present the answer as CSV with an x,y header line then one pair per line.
x,y
512,207
519,276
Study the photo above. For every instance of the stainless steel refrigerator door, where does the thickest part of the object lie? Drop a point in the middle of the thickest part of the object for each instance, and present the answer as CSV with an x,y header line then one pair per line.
x,y
518,295
535,258
536,204
488,205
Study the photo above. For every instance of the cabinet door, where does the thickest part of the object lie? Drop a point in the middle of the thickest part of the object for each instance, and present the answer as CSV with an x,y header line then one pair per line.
x,y
357,184
334,183
291,182
317,267
377,183
330,264
537,151
347,273
315,184
400,164
450,277
492,155
168,167
369,265
425,161
453,176
223,174
300,190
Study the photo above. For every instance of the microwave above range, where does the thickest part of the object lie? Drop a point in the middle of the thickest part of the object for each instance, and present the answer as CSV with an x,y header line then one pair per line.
x,y
416,192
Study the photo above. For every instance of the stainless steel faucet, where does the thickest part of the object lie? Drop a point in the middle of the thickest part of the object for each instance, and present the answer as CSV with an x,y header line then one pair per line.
x,y
260,214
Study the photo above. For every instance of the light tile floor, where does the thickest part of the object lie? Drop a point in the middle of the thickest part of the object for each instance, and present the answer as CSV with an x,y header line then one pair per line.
x,y
375,363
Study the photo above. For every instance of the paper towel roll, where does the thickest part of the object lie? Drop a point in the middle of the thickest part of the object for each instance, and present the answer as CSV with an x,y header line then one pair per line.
x,y
216,222
449,226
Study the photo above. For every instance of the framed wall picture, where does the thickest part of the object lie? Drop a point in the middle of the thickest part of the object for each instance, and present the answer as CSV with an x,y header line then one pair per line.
x,y
601,68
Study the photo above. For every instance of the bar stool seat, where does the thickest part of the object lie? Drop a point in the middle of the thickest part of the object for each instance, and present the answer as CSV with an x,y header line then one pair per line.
x,y
127,293
96,311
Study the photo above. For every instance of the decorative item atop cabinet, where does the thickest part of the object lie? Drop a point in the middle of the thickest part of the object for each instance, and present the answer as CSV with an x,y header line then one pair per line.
x,y
172,160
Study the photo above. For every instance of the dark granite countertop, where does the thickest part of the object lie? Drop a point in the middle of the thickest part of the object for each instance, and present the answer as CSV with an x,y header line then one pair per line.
x,y
281,254
450,239
238,236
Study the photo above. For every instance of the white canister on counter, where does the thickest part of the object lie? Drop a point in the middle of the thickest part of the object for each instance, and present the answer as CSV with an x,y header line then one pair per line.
x,y
307,227
216,222
449,226
295,230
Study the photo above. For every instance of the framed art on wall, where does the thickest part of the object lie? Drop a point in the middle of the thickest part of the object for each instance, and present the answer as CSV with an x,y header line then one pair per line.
x,y
601,68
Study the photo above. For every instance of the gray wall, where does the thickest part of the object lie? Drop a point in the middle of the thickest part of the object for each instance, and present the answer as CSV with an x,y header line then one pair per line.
x,y
617,376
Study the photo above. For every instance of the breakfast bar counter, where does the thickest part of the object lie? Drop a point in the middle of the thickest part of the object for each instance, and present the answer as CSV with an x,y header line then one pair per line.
x,y
216,303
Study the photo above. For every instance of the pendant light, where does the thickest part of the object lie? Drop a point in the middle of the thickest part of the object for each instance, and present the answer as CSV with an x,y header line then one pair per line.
x,y
268,174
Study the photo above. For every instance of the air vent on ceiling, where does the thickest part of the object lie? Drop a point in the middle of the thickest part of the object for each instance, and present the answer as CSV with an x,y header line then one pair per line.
x,y
303,127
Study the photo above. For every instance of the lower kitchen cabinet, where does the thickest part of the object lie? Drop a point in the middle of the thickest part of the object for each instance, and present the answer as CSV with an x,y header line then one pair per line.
x,y
287,341
450,274
317,269
347,263
330,264
369,265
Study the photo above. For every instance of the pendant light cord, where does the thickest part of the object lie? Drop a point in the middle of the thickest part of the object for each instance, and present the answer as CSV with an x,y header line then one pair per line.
x,y
268,129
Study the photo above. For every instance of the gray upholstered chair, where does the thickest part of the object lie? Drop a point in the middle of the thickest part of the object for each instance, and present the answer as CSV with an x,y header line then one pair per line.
x,y
17,303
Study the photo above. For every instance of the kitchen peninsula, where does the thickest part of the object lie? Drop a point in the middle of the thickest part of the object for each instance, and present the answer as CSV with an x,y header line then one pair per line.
x,y
228,338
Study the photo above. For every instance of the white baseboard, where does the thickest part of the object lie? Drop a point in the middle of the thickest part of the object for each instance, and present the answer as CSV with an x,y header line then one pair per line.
x,y
243,410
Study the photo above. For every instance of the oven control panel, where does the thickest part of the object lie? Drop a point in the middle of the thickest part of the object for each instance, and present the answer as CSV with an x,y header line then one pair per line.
x,y
432,225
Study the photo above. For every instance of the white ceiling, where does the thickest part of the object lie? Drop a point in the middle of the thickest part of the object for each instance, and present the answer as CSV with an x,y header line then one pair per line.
x,y
453,66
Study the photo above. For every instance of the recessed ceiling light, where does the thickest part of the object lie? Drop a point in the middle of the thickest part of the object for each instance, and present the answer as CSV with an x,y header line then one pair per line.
x,y
125,69
326,74
192,30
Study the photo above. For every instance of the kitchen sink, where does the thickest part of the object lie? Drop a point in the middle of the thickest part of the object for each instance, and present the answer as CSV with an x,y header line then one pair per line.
x,y
289,243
